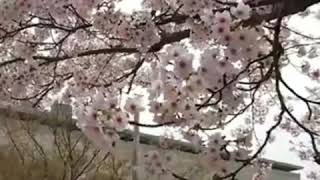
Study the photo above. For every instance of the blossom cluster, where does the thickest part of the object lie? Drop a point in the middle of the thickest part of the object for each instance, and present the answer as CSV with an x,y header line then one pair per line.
x,y
157,164
105,118
17,9
89,53
217,156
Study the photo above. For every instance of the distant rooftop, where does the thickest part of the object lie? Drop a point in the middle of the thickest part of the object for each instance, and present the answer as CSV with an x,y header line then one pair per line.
x,y
284,166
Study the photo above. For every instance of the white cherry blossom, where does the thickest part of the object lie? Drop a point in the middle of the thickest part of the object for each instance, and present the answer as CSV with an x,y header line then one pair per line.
x,y
242,11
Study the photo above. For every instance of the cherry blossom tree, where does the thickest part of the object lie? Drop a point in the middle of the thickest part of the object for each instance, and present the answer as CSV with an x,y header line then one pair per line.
x,y
196,66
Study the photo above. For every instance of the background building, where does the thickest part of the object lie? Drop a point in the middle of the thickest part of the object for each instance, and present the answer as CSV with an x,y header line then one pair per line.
x,y
49,127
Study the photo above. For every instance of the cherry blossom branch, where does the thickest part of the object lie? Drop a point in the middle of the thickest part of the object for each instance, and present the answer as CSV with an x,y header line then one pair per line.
x,y
291,7
295,6
277,56
213,93
276,53
300,34
166,39
134,73
152,125
281,8
237,76
45,91
261,148
277,45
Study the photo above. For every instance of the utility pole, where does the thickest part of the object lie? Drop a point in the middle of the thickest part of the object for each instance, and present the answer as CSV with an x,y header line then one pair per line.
x,y
135,160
